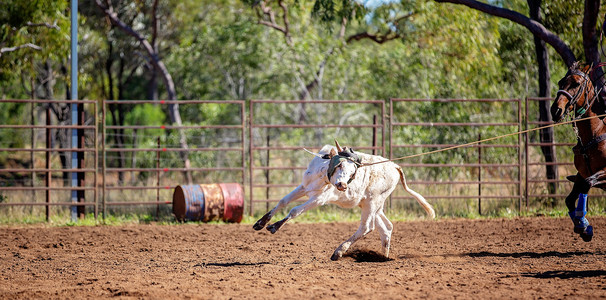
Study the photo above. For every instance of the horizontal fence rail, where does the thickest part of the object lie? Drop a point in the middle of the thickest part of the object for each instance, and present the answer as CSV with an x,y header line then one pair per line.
x,y
139,162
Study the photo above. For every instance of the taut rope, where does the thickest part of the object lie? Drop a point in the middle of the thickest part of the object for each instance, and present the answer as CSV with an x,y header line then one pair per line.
x,y
481,141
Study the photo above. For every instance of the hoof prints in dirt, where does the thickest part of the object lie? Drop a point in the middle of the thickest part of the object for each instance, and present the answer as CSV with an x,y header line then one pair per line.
x,y
367,256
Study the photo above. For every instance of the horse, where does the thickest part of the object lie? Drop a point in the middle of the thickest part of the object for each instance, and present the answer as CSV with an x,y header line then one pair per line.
x,y
577,94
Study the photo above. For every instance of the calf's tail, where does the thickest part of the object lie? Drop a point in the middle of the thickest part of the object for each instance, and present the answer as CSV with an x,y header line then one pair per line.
x,y
420,199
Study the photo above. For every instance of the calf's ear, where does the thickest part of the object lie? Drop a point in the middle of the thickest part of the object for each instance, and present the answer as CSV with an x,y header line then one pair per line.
x,y
332,153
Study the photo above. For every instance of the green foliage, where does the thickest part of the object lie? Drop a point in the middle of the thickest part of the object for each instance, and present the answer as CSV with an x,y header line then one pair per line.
x,y
41,23
329,10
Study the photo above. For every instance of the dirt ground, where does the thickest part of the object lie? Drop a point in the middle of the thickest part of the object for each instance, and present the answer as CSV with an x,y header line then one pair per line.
x,y
529,258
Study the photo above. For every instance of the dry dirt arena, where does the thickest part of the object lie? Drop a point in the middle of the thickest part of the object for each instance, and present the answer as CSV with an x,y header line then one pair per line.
x,y
527,258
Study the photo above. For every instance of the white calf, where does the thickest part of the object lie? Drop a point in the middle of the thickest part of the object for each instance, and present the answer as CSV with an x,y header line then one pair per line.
x,y
342,180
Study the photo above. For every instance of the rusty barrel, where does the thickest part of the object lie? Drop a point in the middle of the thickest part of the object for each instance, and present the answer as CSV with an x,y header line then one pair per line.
x,y
188,203
233,198
209,202
213,210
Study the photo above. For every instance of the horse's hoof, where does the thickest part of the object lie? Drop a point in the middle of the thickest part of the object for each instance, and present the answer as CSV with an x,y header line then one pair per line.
x,y
586,238
580,224
335,257
587,235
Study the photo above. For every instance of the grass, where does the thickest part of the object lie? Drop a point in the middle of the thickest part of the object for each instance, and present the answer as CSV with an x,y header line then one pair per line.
x,y
326,214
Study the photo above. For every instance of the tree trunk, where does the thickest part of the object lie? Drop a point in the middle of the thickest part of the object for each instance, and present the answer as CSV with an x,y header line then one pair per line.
x,y
590,41
546,135
173,108
115,110
62,112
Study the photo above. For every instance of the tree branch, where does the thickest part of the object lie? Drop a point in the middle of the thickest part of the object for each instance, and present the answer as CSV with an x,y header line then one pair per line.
x,y
590,34
47,25
272,25
379,39
534,27
267,11
158,64
11,49
155,25
285,20
343,27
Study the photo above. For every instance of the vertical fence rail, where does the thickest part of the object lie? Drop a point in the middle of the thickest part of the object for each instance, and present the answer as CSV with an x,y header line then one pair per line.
x,y
520,157
47,164
48,169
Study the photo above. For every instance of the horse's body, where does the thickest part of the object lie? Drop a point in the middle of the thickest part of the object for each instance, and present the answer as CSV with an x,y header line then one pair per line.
x,y
578,94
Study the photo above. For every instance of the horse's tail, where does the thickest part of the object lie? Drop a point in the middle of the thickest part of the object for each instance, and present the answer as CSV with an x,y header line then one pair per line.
x,y
417,196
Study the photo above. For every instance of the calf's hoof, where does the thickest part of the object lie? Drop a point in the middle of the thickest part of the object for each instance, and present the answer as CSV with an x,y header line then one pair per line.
x,y
258,225
272,228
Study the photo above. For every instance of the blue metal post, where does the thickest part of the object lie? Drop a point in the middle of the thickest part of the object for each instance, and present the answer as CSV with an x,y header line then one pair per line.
x,y
74,107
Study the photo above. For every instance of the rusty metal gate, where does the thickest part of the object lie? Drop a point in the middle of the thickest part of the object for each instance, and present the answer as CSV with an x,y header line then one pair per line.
x,y
470,172
538,186
147,160
165,158
39,175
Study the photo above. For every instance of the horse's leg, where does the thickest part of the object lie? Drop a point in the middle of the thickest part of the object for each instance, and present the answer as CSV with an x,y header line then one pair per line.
x,y
577,214
580,187
581,225
599,178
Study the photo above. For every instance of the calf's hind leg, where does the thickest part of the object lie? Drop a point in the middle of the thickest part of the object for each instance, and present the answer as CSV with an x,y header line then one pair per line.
x,y
385,229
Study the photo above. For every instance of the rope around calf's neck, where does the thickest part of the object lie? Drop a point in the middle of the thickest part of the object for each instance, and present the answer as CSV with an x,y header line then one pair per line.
x,y
481,141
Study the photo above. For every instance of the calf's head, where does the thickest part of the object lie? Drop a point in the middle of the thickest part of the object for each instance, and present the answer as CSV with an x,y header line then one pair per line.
x,y
342,168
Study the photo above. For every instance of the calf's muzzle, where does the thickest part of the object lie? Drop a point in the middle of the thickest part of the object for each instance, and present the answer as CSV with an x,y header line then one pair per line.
x,y
341,186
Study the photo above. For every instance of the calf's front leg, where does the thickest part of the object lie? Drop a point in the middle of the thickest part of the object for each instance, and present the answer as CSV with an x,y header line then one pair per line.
x,y
295,194
366,226
294,212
